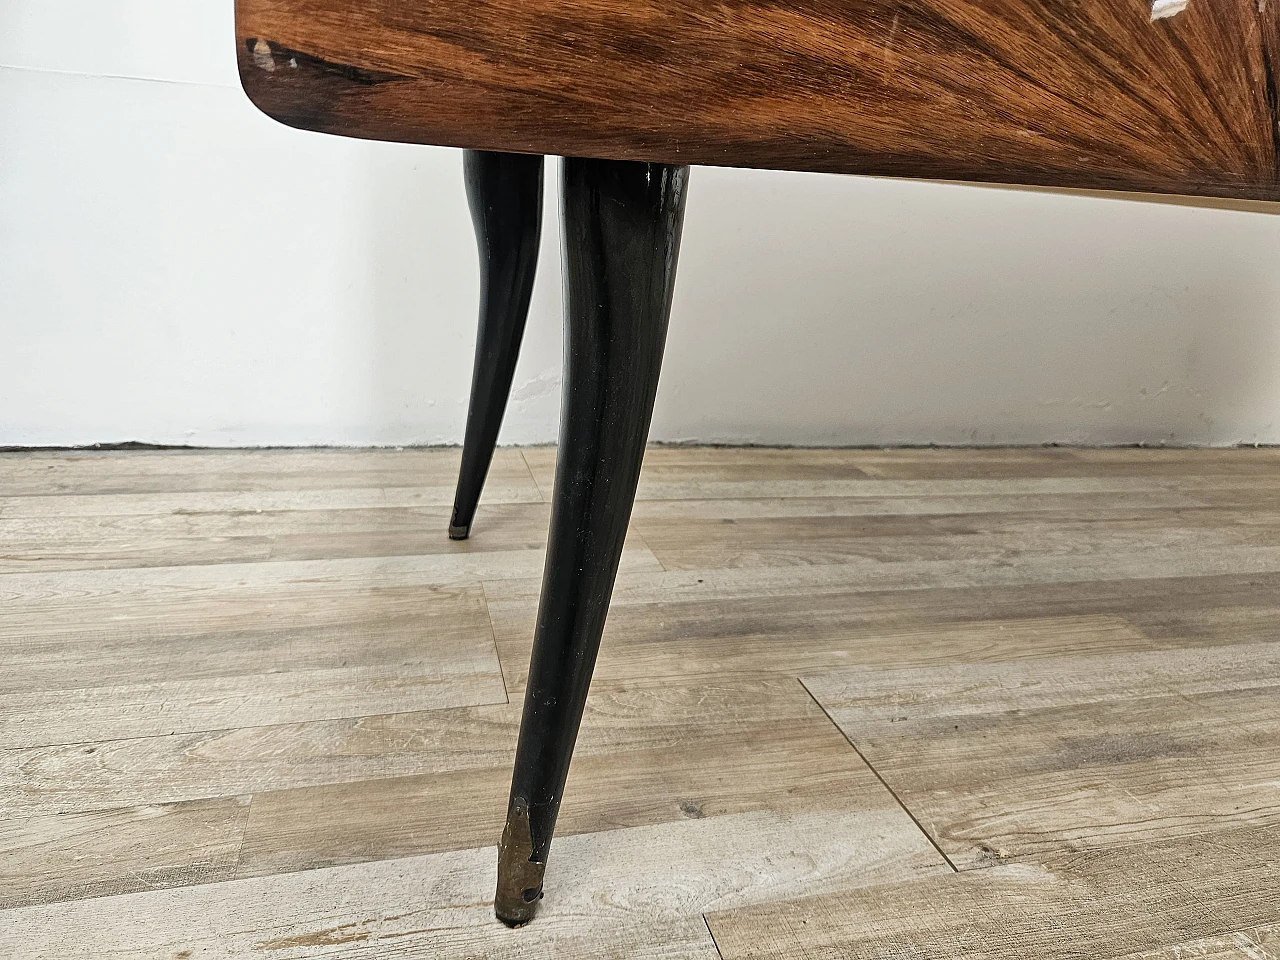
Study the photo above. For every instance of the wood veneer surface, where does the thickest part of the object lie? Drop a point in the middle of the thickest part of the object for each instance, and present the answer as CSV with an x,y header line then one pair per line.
x,y
1068,93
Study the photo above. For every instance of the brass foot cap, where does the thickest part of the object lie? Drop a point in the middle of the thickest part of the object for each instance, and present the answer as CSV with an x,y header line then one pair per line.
x,y
516,912
519,877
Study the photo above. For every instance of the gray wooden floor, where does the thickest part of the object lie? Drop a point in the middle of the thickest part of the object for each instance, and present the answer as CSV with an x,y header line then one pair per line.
x,y
871,704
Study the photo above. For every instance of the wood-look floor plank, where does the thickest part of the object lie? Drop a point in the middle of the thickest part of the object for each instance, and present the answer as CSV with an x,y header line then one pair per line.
x,y
678,472
1254,616
771,601
603,904
1144,900
1147,463
637,647
431,470
1201,459
172,707
243,656
246,760
647,753
696,544
168,603
96,853
1256,943
1053,657
1001,760
99,482
141,540
509,523
925,505
58,507
241,631
55,552
673,619
174,583
856,575
866,698
500,528
693,720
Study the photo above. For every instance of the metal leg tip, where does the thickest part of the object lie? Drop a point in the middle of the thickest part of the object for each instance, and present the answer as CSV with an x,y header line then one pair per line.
x,y
458,531
515,911
519,877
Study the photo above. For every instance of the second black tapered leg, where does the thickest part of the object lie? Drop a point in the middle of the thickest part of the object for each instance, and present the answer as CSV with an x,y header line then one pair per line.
x,y
622,224
505,194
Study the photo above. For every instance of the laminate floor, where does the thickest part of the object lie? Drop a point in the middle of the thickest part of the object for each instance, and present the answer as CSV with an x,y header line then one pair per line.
x,y
850,704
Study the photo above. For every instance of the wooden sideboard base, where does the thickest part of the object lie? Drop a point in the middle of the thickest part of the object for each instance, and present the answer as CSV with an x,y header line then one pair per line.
x,y
1090,94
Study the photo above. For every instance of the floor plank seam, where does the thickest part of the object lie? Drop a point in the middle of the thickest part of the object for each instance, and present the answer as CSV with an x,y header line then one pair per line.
x,y
884,783
493,632
238,862
533,477
712,935
6,751
632,531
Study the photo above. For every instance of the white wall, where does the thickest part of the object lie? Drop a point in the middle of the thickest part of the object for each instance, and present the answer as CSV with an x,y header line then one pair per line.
x,y
176,268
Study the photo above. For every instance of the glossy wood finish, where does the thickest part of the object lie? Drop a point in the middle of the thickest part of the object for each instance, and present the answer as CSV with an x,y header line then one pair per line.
x,y
1073,93
622,225
504,191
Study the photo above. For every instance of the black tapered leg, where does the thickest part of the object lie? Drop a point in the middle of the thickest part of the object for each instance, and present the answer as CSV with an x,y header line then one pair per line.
x,y
622,225
505,194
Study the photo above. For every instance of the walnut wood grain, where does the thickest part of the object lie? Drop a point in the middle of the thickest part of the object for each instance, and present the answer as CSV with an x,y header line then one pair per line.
x,y
1066,93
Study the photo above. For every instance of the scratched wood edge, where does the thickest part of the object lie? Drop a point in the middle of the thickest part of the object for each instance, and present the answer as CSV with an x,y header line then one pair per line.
x,y
302,90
